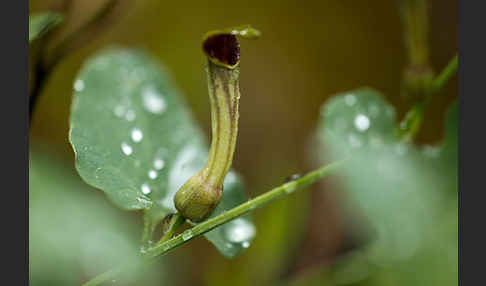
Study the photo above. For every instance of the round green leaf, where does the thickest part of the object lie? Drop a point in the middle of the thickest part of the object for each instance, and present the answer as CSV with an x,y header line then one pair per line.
x,y
394,184
356,120
134,137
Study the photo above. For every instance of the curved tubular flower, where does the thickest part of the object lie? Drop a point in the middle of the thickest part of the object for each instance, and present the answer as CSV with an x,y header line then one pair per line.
x,y
200,195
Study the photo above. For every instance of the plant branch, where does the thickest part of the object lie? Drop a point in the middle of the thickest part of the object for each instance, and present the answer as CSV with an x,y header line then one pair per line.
x,y
446,74
176,221
410,125
242,209
84,34
414,16
165,246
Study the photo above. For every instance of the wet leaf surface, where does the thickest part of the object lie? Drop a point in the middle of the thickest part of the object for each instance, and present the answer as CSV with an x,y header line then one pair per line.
x,y
405,191
134,138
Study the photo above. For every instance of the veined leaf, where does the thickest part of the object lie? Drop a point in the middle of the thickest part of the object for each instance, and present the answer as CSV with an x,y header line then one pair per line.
x,y
135,139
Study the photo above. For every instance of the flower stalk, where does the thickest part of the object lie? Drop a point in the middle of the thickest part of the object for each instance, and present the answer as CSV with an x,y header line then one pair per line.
x,y
418,74
200,195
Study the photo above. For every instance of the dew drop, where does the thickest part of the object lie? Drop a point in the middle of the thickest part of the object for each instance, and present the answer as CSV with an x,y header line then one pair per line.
x,y
119,111
159,164
78,85
240,230
130,115
362,122
292,177
146,203
350,99
137,134
290,188
228,245
245,244
241,33
127,149
165,247
153,100
152,174
186,235
145,189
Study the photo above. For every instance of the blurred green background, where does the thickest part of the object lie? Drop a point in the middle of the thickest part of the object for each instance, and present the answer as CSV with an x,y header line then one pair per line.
x,y
308,52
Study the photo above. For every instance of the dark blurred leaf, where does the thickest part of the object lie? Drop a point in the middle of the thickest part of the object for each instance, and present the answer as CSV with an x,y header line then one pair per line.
x,y
397,186
41,23
73,233
135,139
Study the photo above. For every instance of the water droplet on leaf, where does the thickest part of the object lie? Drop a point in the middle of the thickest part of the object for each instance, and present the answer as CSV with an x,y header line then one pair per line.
x,y
362,122
127,149
240,230
130,115
137,135
292,177
153,100
119,111
159,164
145,189
79,85
186,235
152,174
350,99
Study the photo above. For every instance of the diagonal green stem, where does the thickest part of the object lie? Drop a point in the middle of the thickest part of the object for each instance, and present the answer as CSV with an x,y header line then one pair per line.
x,y
177,221
165,246
446,74
413,120
244,208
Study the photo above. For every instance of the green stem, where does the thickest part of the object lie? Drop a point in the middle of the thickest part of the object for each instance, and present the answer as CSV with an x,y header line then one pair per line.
x,y
244,208
415,25
176,221
165,246
82,35
410,125
446,74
